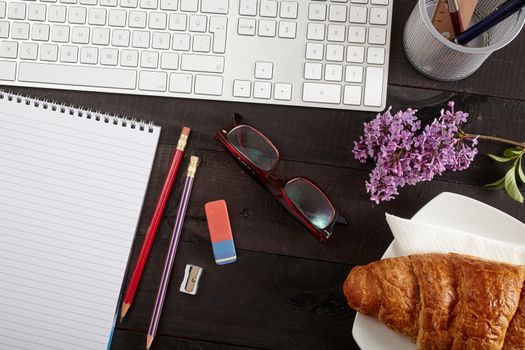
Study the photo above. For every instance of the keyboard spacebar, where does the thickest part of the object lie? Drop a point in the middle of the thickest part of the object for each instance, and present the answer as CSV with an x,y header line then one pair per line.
x,y
77,75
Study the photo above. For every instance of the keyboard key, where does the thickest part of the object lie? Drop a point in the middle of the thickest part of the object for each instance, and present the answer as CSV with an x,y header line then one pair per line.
x,y
352,95
246,26
181,42
177,22
109,3
169,5
267,28
218,26
77,15
129,58
29,51
169,60
378,15
100,36
198,24
36,12
202,63
140,39
77,75
60,34
8,49
336,32
242,88
39,32
49,52
157,20
20,31
376,55
189,5
208,85
3,9
289,9
337,13
379,2
137,19
262,90
4,30
317,12
359,1
287,30
335,52
377,36
153,81
373,86
80,35
128,3
91,2
68,54
161,41
97,17
315,31
7,70
89,55
121,37
263,70
149,4
268,8
109,57
333,72
201,43
358,14
354,74
214,6
180,82
56,14
356,34
16,10
314,51
282,91
355,54
313,71
248,7
117,18
149,59
321,93
68,1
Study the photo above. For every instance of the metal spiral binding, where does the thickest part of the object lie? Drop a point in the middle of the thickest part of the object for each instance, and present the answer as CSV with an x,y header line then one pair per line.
x,y
71,110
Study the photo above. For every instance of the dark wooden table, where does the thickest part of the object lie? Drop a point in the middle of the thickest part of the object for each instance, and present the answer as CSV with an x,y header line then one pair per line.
x,y
284,292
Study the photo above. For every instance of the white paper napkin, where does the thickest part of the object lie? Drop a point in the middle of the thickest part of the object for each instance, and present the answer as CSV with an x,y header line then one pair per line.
x,y
413,237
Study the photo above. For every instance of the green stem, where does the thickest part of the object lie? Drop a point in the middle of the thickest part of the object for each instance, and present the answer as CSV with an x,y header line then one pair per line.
x,y
494,138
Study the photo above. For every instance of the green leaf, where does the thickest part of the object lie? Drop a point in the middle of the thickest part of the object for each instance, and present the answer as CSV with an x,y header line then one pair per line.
x,y
520,172
511,186
496,185
499,159
512,153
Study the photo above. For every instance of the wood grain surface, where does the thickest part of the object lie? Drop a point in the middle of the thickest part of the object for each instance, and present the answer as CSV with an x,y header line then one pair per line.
x,y
285,290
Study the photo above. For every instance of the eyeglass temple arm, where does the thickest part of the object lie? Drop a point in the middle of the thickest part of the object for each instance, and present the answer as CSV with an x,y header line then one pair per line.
x,y
237,119
340,220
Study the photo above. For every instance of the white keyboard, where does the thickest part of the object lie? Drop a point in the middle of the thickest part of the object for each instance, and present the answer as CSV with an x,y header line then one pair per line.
x,y
331,54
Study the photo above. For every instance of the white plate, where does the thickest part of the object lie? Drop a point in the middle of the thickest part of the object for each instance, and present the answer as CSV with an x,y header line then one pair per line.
x,y
452,211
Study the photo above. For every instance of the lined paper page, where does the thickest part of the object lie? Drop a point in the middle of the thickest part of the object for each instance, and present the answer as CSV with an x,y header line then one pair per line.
x,y
71,192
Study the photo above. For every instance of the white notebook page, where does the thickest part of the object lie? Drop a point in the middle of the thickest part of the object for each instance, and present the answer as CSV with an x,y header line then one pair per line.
x,y
71,193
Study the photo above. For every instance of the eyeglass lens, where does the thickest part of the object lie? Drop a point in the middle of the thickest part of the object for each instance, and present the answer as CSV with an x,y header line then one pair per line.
x,y
254,146
311,202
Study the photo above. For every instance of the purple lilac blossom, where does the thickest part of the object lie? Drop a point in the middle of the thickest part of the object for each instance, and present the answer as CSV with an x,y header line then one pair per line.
x,y
406,154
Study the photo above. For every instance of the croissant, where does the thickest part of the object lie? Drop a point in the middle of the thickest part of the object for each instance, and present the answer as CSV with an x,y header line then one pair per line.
x,y
444,301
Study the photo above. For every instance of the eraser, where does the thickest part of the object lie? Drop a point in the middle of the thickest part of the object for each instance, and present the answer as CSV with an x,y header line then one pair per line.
x,y
220,232
190,283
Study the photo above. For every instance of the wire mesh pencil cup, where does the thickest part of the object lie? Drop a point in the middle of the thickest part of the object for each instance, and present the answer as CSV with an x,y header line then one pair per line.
x,y
441,59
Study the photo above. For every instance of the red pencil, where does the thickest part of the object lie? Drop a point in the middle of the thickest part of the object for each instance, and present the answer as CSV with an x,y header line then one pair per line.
x,y
155,220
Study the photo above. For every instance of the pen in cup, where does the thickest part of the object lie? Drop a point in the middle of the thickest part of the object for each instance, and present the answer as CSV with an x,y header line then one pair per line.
x,y
455,16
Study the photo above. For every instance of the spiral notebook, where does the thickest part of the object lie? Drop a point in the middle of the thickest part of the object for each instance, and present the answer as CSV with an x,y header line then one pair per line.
x,y
72,184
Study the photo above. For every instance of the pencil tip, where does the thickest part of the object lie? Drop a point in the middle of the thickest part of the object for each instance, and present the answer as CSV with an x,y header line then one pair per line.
x,y
149,340
124,310
185,131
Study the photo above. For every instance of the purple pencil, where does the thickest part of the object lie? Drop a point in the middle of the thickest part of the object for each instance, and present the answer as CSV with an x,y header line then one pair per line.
x,y
174,242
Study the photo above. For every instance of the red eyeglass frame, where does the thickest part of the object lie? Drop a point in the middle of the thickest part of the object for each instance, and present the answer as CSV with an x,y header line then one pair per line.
x,y
274,184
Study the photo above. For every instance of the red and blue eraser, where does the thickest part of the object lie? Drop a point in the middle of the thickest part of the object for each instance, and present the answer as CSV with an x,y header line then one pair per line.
x,y
220,232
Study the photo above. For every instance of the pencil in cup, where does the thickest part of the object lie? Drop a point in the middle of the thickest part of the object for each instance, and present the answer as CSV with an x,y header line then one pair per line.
x,y
155,220
170,257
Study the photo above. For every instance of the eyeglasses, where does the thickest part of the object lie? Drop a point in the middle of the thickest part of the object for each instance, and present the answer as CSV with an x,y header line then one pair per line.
x,y
299,195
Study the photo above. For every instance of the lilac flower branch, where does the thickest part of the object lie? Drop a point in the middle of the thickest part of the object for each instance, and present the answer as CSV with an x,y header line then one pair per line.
x,y
405,153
